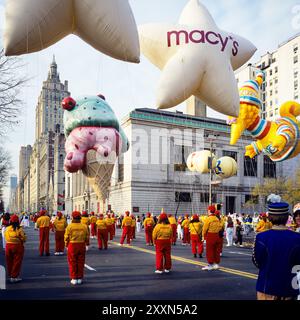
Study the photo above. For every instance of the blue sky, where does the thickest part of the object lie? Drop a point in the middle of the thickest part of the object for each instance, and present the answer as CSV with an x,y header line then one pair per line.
x,y
267,23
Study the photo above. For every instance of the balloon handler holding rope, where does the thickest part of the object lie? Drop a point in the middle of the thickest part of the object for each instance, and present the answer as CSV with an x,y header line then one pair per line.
x,y
90,124
278,139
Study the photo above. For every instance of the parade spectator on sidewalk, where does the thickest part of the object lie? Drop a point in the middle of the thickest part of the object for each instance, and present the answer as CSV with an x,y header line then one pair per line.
x,y
14,251
59,225
149,225
76,239
93,221
196,227
138,224
296,217
4,224
163,237
239,233
229,231
43,224
276,253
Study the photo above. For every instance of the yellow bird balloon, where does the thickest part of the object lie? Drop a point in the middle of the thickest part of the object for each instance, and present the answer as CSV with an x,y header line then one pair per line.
x,y
278,139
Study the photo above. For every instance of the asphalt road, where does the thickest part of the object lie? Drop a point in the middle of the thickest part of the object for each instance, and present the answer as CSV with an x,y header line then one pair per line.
x,y
127,273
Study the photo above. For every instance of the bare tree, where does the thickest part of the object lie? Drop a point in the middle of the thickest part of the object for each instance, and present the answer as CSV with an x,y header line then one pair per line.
x,y
11,83
5,166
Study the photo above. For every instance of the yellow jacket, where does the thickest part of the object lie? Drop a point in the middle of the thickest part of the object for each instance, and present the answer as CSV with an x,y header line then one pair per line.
x,y
60,225
126,222
77,233
101,224
172,220
14,236
133,223
211,225
93,219
185,223
85,220
263,226
196,228
109,221
162,232
43,222
149,222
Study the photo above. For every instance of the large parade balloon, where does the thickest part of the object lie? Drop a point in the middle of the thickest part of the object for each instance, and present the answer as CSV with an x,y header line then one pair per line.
x,y
226,167
91,125
278,139
108,26
199,161
196,58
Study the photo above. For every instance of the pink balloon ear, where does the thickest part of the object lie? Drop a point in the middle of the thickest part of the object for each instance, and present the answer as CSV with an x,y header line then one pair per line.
x,y
101,96
68,104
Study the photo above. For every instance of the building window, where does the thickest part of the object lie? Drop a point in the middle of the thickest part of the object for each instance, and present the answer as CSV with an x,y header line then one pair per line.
x,y
204,197
249,197
271,83
276,111
296,97
183,197
271,72
296,85
250,167
271,114
271,93
231,154
121,168
295,48
296,59
296,73
181,154
269,168
276,80
276,69
273,60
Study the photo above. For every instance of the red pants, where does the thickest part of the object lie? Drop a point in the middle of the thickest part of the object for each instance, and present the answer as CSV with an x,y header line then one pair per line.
x,y
196,243
220,245
132,232
186,235
113,230
110,232
102,238
174,229
93,230
126,232
44,240
148,235
59,241
163,254
76,260
213,248
14,256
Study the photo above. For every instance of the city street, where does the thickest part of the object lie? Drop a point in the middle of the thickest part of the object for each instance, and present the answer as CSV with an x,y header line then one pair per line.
x,y
127,273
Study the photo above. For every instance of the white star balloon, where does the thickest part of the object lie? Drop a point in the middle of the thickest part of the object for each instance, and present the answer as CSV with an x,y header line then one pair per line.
x,y
107,25
197,58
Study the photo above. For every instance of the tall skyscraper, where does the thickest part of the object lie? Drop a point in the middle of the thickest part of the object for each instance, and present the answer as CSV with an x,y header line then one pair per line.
x,y
24,161
49,124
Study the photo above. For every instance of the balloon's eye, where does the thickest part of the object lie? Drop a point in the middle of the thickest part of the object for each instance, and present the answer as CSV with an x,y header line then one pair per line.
x,y
101,96
68,104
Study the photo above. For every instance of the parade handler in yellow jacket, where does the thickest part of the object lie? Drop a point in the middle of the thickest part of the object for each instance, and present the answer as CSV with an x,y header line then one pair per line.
x,y
149,225
196,227
162,237
60,224
14,250
76,240
126,226
173,223
186,232
93,221
109,224
264,224
210,232
44,224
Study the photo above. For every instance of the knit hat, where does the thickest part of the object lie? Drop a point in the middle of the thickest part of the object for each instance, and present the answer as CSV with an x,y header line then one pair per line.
x,y
76,215
163,216
14,218
187,215
195,217
59,214
212,209
148,214
169,215
43,212
101,215
92,213
249,92
127,213
279,208
263,215
84,214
